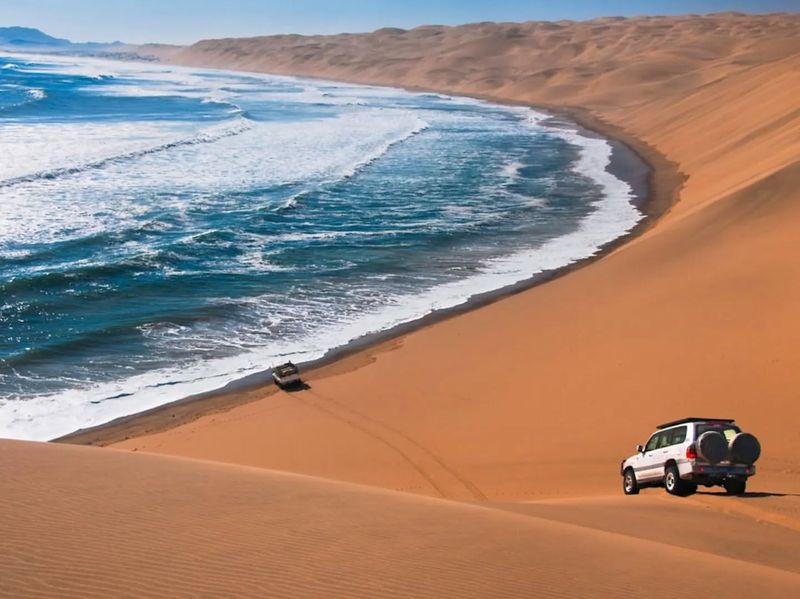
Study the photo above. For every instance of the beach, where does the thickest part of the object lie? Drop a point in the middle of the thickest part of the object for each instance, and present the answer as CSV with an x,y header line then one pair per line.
x,y
694,315
478,454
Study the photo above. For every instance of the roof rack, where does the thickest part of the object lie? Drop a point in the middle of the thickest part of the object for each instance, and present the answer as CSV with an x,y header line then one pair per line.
x,y
687,420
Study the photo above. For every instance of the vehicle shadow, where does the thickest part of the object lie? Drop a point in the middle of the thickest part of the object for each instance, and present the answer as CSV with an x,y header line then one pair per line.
x,y
303,386
749,495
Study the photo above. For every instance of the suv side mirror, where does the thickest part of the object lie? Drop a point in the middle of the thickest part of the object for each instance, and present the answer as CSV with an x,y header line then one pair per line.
x,y
639,449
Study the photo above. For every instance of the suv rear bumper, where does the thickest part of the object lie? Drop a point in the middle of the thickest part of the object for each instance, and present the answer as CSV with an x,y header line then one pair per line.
x,y
700,472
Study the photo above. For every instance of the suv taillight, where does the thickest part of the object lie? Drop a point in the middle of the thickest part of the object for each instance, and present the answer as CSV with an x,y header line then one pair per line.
x,y
691,452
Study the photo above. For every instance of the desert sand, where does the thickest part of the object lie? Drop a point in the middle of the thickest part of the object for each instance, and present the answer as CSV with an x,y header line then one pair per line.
x,y
92,522
453,485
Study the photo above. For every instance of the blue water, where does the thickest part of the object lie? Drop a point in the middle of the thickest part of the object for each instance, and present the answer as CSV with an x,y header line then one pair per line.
x,y
164,231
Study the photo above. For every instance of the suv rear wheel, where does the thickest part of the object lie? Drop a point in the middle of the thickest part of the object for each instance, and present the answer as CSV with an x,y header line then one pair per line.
x,y
673,482
629,484
735,486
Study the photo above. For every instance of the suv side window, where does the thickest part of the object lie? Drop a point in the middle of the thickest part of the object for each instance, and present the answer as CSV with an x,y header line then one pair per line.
x,y
666,438
678,435
653,443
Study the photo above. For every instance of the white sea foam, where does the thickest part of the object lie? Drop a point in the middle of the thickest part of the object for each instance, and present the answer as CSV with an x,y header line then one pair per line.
x,y
32,148
313,95
159,81
291,202
244,155
36,94
512,169
62,65
23,96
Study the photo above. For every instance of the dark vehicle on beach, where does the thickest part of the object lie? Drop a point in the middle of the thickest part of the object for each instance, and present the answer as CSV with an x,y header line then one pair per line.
x,y
286,376
689,452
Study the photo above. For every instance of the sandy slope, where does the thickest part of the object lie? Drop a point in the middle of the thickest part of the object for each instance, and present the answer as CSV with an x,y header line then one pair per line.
x,y
610,62
84,522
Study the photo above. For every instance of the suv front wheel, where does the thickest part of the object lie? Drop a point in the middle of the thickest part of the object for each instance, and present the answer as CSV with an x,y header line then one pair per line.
x,y
629,484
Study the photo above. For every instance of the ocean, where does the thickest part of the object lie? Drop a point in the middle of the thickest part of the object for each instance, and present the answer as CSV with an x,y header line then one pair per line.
x,y
165,231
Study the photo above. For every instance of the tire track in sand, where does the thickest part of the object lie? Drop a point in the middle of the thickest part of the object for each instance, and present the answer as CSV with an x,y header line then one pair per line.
x,y
445,479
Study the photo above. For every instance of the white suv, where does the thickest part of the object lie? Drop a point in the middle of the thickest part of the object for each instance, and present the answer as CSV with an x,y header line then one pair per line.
x,y
686,453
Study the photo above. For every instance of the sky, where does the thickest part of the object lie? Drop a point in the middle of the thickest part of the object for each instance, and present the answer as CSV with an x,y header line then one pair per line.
x,y
186,21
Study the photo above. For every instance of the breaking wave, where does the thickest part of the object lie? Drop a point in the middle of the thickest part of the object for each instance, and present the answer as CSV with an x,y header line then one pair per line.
x,y
209,135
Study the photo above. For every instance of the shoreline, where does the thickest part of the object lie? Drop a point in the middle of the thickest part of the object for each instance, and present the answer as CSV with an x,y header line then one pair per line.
x,y
655,188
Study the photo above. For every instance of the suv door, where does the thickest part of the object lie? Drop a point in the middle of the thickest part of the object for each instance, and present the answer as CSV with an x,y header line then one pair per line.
x,y
669,446
650,464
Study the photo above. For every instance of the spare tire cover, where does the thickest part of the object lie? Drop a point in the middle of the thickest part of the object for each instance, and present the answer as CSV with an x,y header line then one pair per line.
x,y
745,448
712,447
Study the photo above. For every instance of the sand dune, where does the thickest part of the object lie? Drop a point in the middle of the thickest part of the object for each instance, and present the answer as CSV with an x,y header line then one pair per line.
x,y
698,316
607,62
737,528
84,522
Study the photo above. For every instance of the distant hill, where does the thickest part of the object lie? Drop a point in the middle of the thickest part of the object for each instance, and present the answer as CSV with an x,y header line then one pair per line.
x,y
33,40
27,36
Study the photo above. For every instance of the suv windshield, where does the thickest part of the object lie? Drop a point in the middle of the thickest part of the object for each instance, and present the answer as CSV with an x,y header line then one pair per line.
x,y
729,431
